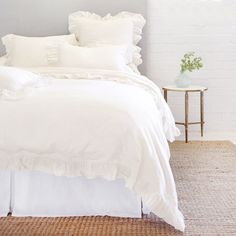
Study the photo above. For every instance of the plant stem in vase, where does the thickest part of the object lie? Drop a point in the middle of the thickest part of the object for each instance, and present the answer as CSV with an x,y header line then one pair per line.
x,y
188,64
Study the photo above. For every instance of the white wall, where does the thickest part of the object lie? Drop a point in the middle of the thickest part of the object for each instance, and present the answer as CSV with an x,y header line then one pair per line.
x,y
207,27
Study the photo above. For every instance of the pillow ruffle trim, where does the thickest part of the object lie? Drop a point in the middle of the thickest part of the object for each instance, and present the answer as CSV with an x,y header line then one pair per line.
x,y
138,23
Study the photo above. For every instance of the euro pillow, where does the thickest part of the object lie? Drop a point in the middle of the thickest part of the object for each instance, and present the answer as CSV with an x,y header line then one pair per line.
x,y
124,28
14,79
105,58
90,31
32,51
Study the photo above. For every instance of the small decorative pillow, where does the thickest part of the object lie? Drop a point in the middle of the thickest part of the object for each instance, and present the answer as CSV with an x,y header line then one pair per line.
x,y
32,51
123,29
14,79
105,57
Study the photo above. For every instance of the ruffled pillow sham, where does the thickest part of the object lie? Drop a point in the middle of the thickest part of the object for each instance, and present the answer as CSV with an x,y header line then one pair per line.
x,y
32,51
124,28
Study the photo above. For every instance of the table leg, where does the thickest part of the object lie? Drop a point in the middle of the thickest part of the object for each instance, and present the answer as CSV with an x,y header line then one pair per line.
x,y
186,116
202,111
165,94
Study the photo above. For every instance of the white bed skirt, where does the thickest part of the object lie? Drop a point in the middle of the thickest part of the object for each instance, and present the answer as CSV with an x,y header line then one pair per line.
x,y
5,192
39,194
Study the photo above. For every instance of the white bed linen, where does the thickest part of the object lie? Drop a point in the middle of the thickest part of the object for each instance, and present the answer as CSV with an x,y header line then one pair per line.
x,y
14,79
41,194
5,193
125,28
105,57
104,124
32,51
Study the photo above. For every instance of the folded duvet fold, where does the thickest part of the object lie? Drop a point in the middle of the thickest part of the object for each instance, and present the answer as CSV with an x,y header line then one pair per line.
x,y
112,125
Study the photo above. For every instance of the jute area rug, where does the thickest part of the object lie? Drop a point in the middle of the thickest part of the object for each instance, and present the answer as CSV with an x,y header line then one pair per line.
x,y
205,174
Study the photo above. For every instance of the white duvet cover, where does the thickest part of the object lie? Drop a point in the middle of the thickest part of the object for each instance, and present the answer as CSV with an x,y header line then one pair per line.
x,y
112,125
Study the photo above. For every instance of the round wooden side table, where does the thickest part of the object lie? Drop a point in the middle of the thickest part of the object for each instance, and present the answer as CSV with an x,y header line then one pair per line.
x,y
201,90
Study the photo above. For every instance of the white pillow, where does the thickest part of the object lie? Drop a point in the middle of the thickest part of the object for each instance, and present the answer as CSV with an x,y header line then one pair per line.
x,y
14,79
115,31
32,51
125,28
106,57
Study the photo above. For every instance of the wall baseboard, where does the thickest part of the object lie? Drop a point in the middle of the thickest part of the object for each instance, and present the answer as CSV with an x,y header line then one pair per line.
x,y
210,136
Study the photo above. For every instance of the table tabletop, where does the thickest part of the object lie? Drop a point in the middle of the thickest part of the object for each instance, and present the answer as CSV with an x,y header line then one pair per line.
x,y
192,88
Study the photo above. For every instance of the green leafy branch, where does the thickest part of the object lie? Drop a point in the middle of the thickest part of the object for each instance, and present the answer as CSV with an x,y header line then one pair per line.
x,y
190,62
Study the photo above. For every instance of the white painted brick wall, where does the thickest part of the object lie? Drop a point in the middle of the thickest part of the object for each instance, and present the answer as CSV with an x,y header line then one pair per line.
x,y
207,27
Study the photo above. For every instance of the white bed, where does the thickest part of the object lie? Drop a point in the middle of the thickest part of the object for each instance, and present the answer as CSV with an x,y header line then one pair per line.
x,y
118,130
78,142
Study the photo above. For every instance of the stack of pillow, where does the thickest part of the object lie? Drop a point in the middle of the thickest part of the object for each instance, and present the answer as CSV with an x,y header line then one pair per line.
x,y
95,42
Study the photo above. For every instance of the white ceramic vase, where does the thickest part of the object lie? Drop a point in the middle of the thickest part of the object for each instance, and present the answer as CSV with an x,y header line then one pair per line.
x,y
183,80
